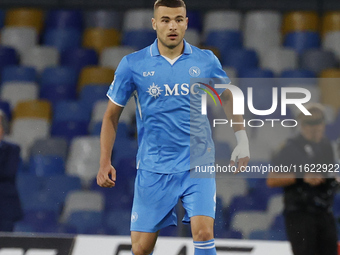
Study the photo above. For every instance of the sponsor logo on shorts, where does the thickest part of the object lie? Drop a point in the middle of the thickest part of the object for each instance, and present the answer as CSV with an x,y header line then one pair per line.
x,y
134,217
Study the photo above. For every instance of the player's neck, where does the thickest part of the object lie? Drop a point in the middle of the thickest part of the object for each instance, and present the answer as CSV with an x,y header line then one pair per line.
x,y
170,52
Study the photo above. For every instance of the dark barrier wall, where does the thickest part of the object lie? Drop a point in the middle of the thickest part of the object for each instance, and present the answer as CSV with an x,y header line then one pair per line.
x,y
283,5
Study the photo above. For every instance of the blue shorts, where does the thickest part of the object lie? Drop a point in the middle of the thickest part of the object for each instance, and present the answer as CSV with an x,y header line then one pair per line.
x,y
156,196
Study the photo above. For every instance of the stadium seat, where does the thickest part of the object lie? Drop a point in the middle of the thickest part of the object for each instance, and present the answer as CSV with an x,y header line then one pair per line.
x,y
298,73
8,56
100,38
25,131
14,92
278,222
33,109
221,20
90,94
61,185
93,75
64,19
275,205
82,200
41,220
138,39
28,183
79,58
332,129
98,111
300,21
329,88
330,22
318,60
246,222
103,18
40,57
2,17
62,39
83,159
71,111
331,42
224,40
20,38
273,235
227,188
84,220
58,83
18,73
256,73
279,59
193,37
240,58
69,129
46,165
25,17
302,41
195,20
121,226
6,108
111,57
50,146
262,30
41,201
137,19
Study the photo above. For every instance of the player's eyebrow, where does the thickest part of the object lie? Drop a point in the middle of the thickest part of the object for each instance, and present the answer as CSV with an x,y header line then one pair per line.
x,y
167,17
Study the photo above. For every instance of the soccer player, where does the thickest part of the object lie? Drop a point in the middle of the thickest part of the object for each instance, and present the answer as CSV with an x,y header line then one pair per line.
x,y
158,77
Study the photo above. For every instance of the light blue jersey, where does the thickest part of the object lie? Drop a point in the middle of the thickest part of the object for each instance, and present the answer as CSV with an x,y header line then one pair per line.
x,y
163,95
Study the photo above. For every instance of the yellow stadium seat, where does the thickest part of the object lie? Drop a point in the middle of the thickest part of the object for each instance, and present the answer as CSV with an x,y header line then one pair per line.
x,y
300,21
25,17
330,87
100,38
331,22
33,109
95,75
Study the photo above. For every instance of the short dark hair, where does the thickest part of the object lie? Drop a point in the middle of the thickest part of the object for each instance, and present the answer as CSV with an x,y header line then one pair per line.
x,y
169,3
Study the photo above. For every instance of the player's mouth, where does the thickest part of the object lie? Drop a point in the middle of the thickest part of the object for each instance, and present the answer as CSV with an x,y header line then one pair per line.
x,y
173,36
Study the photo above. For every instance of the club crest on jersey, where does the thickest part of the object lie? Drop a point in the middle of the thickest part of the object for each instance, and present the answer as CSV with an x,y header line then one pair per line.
x,y
194,71
154,90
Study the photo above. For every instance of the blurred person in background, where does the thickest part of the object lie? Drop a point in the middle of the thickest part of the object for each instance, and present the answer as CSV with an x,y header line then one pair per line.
x,y
308,190
10,207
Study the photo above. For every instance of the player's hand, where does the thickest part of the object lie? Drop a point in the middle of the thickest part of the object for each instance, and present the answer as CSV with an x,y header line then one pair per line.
x,y
106,176
241,153
313,179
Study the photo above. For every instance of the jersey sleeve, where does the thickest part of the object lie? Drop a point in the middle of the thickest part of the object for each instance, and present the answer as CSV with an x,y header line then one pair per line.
x,y
219,75
122,86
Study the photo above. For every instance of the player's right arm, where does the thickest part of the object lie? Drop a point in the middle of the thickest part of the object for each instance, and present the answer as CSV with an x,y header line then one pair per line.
x,y
106,176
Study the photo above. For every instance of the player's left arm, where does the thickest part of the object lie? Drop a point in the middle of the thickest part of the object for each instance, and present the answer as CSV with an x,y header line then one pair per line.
x,y
241,153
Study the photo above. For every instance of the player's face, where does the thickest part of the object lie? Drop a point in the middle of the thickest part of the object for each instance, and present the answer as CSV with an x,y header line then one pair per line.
x,y
170,25
313,133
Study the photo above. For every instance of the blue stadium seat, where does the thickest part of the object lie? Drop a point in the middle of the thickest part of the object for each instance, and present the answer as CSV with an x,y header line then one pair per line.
x,y
195,19
69,129
46,165
64,19
40,219
50,146
67,110
90,94
63,39
302,41
40,200
96,128
8,56
79,58
240,58
224,40
18,73
268,235
6,108
84,220
58,83
298,73
256,73
332,129
119,220
124,148
27,184
60,185
138,39
24,227
169,231
228,233
278,223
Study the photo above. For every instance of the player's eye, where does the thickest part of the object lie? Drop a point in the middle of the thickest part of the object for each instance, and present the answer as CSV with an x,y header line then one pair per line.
x,y
179,20
165,20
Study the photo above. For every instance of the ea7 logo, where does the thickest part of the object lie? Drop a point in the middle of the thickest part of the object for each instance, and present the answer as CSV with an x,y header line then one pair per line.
x,y
152,73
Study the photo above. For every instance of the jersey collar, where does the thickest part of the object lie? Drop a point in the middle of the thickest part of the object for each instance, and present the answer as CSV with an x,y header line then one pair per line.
x,y
155,52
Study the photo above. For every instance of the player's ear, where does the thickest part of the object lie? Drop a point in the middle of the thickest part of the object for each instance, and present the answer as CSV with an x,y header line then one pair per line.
x,y
153,21
187,20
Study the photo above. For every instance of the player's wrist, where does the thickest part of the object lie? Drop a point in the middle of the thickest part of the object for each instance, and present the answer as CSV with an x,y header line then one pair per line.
x,y
241,136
